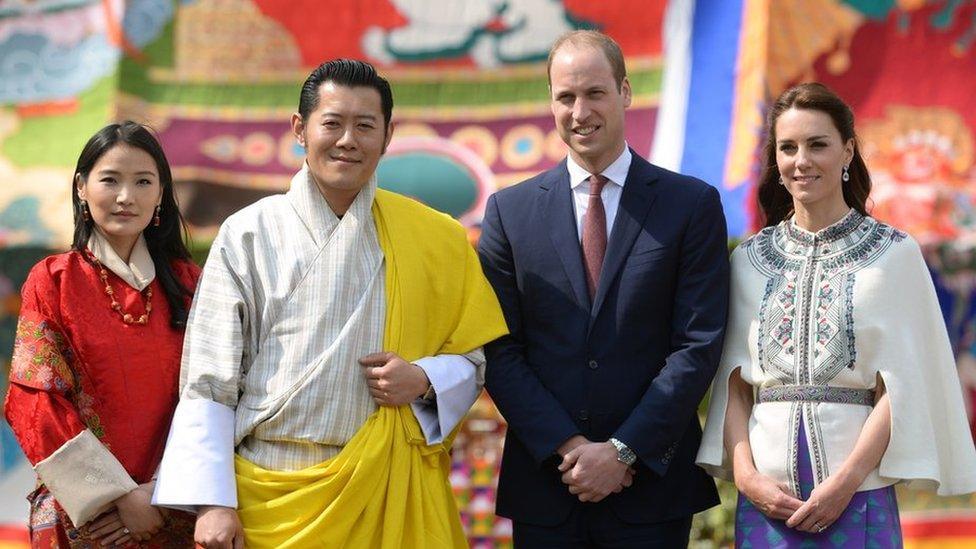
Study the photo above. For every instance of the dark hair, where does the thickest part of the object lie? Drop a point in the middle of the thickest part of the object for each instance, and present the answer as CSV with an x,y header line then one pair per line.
x,y
775,202
596,40
165,242
345,72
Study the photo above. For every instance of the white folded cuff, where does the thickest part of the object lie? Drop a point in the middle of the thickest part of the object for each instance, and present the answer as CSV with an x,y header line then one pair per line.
x,y
198,463
84,477
454,378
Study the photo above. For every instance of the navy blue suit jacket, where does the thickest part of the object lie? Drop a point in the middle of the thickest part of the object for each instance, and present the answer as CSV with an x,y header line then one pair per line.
x,y
634,364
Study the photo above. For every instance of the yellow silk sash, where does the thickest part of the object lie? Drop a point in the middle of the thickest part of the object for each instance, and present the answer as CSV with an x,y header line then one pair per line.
x,y
387,488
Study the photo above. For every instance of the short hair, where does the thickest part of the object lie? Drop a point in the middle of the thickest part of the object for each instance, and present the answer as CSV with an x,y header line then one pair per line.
x,y
775,202
349,73
593,39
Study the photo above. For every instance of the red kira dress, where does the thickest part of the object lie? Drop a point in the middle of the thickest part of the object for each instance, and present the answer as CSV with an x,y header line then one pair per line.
x,y
76,365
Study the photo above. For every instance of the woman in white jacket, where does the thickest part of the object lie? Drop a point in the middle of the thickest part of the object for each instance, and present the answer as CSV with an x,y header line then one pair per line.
x,y
837,380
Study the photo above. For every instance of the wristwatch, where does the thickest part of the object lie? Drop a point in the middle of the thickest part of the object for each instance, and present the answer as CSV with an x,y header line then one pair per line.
x,y
429,395
624,454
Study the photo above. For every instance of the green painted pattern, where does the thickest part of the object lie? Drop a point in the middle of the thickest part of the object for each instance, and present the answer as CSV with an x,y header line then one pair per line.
x,y
56,141
135,80
407,94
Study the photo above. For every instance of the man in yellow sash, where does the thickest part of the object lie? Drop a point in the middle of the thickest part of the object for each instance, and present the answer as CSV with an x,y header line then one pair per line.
x,y
333,345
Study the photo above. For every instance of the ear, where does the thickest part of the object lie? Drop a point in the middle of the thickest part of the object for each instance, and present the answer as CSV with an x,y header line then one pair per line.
x,y
626,91
389,135
849,151
298,128
80,187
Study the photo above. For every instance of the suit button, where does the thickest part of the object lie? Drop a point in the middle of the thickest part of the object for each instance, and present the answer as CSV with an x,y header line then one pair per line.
x,y
593,364
583,415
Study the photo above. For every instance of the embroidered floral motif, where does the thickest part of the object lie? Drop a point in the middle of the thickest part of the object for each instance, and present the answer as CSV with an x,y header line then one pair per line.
x,y
85,404
41,357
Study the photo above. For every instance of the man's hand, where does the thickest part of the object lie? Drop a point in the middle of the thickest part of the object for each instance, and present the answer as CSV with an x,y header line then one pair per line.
x,y
592,471
393,381
571,443
218,528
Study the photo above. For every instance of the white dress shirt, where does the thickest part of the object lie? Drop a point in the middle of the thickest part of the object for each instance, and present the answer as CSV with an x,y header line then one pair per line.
x,y
579,181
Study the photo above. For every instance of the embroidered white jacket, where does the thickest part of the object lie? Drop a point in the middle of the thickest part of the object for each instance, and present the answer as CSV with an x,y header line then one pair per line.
x,y
837,308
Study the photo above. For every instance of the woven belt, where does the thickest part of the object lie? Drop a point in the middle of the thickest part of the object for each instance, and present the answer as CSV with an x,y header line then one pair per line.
x,y
815,393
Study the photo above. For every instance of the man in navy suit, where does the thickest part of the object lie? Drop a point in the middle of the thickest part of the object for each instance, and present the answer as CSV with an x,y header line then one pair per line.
x,y
613,276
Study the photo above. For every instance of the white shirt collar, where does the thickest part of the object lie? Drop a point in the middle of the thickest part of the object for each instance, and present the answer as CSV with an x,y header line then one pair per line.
x,y
139,272
616,171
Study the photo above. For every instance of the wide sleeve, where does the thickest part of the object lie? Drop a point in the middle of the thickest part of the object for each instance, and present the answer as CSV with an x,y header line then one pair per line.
x,y
735,354
198,463
67,454
457,381
930,445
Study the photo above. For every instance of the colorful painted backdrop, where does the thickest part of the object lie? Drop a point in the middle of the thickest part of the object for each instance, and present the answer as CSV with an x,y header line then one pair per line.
x,y
473,116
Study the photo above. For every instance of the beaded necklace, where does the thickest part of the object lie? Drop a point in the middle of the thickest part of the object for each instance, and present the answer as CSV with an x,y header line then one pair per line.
x,y
115,305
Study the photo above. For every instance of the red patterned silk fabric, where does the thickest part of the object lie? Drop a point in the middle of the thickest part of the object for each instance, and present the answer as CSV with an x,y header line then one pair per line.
x,y
76,365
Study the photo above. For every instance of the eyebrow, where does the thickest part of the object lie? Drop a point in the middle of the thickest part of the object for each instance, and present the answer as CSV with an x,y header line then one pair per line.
x,y
340,115
811,138
110,171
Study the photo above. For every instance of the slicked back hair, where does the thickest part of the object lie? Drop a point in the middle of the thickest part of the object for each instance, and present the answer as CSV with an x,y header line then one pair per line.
x,y
345,72
596,40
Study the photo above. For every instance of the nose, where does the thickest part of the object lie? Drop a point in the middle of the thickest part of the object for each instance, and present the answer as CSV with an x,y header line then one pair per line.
x,y
580,110
347,140
802,159
125,194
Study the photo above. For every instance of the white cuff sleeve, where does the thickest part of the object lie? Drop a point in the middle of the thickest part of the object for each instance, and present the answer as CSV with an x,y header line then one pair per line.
x,y
84,477
454,378
198,463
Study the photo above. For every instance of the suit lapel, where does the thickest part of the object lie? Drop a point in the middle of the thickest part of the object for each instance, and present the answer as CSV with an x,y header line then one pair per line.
x,y
638,194
561,222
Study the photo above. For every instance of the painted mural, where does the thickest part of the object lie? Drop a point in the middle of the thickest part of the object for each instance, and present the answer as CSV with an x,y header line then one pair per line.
x,y
471,108
472,116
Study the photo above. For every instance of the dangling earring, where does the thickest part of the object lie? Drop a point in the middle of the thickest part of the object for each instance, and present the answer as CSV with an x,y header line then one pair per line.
x,y
781,181
846,176
84,211
156,217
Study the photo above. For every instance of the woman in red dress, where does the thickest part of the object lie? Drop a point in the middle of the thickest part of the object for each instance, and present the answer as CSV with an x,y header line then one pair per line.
x,y
95,368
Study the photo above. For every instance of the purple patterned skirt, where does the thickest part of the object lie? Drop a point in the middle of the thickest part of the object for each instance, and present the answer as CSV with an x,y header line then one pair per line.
x,y
870,520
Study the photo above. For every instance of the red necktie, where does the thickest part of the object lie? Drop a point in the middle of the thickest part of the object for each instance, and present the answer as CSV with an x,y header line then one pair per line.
x,y
594,234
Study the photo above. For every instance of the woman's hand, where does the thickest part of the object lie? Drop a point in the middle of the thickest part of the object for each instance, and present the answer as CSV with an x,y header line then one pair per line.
x,y
108,529
772,499
137,513
825,504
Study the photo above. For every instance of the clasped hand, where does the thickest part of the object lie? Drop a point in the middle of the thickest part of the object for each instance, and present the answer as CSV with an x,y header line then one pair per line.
x,y
393,381
592,471
824,506
132,519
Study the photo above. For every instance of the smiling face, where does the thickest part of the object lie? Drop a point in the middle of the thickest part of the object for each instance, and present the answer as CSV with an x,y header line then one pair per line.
x,y
587,105
344,138
810,156
122,191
